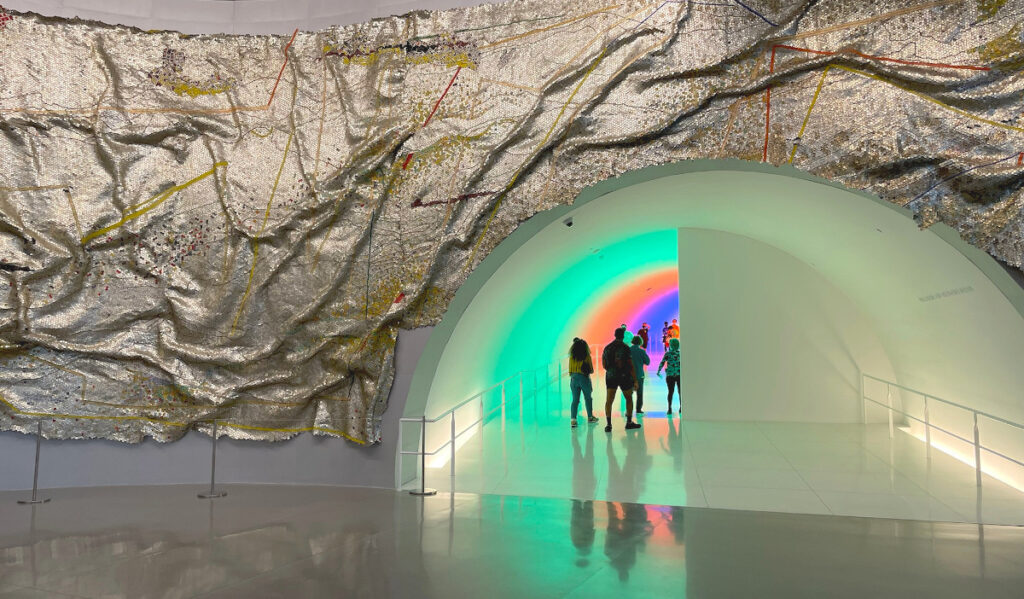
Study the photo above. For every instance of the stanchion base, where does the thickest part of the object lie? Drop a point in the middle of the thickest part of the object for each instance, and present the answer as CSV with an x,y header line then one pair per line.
x,y
33,501
424,492
212,495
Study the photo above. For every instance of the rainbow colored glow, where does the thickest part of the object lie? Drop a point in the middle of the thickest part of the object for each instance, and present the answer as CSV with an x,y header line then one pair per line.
x,y
652,298
586,292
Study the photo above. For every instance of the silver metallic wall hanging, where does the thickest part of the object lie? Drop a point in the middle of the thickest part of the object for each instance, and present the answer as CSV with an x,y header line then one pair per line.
x,y
235,227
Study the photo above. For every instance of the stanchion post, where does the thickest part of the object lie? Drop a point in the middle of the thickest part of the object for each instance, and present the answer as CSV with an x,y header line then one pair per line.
x,y
424,491
35,473
213,494
453,437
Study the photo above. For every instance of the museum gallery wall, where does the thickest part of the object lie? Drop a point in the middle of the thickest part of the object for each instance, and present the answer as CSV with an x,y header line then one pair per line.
x,y
234,227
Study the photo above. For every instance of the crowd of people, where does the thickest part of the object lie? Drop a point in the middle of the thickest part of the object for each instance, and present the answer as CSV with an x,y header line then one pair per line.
x,y
625,362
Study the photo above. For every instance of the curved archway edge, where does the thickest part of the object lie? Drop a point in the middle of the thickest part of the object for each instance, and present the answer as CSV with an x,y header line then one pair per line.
x,y
424,372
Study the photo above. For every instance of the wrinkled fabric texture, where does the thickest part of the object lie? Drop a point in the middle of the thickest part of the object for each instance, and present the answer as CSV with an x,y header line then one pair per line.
x,y
235,226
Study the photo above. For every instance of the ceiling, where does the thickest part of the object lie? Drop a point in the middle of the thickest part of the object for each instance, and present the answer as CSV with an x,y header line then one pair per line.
x,y
232,16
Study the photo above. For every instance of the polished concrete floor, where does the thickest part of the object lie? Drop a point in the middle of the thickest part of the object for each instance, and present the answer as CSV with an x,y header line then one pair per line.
x,y
840,469
308,542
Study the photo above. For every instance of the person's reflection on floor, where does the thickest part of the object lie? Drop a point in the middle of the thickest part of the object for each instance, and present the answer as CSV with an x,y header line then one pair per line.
x,y
581,530
584,485
628,529
584,481
628,482
674,446
628,526
676,524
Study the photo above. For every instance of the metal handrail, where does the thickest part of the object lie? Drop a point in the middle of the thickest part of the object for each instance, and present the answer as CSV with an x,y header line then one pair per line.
x,y
948,432
478,394
976,441
450,414
946,401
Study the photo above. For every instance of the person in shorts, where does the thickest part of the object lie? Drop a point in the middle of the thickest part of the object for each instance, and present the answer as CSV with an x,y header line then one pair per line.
x,y
640,361
619,373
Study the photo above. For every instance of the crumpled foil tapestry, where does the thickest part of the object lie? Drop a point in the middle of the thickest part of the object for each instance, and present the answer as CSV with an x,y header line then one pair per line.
x,y
235,227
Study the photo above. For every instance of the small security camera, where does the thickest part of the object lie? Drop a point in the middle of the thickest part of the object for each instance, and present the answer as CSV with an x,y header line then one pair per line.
x,y
567,222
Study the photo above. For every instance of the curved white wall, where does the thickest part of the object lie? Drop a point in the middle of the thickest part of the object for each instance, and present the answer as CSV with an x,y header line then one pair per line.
x,y
232,16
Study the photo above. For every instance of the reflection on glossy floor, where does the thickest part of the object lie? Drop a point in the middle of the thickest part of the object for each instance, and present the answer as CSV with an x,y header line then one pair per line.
x,y
842,469
143,542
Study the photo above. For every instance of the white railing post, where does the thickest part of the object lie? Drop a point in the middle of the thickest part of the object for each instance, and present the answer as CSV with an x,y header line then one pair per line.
x,y
534,395
547,389
927,429
213,494
35,472
888,400
520,397
424,491
977,451
863,402
453,439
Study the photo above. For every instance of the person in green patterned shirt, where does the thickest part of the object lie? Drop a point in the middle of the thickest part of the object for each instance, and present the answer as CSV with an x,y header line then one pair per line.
x,y
671,365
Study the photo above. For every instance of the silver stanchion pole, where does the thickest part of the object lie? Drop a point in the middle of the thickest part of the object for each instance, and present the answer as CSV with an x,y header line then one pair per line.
x,y
213,494
424,491
35,475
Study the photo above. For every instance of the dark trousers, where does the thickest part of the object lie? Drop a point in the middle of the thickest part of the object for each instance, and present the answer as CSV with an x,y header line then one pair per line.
x,y
673,384
639,395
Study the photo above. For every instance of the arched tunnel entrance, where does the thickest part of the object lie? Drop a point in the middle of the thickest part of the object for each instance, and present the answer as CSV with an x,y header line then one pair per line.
x,y
805,311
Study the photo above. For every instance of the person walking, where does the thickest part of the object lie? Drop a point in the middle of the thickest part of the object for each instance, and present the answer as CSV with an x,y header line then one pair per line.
x,y
673,331
640,359
671,364
645,334
618,374
581,366
664,335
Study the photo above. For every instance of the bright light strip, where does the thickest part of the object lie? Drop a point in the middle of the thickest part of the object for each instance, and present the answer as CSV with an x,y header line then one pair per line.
x,y
967,459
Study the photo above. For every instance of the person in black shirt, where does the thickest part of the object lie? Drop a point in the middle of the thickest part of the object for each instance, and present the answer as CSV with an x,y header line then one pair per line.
x,y
618,374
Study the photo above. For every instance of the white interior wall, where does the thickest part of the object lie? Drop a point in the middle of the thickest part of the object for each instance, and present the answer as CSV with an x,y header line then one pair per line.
x,y
766,337
232,16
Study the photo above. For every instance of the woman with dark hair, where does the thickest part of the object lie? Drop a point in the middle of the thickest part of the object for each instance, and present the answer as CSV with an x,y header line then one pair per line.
x,y
581,366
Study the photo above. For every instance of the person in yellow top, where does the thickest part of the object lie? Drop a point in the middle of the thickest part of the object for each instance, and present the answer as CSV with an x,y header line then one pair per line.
x,y
673,331
581,366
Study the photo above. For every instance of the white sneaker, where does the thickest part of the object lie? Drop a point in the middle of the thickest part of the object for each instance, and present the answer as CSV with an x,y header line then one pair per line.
x,y
573,422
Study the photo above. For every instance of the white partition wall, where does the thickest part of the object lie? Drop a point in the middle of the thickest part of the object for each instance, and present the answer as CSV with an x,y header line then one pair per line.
x,y
767,337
